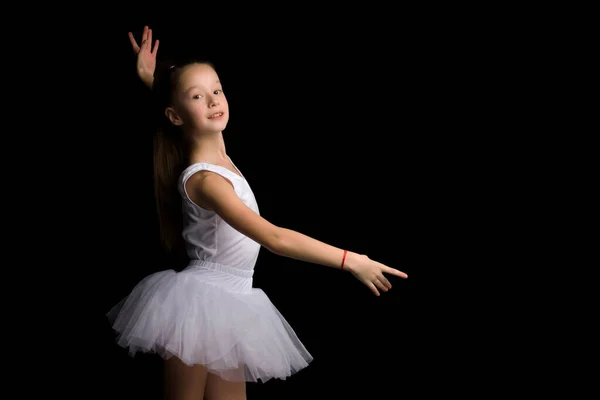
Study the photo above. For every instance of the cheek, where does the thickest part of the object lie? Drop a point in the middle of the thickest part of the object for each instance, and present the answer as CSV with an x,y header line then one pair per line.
x,y
199,111
186,111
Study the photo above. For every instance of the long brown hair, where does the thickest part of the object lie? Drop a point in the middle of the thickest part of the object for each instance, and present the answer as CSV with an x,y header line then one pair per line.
x,y
171,157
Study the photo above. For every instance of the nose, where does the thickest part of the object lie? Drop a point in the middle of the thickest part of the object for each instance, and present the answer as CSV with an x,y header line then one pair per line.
x,y
213,103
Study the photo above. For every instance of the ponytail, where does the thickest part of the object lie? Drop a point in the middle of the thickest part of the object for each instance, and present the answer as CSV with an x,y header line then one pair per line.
x,y
170,157
169,162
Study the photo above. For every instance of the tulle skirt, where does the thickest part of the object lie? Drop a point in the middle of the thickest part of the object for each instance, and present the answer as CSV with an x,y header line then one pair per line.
x,y
209,314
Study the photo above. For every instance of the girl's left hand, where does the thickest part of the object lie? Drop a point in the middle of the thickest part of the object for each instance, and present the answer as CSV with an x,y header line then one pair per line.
x,y
371,272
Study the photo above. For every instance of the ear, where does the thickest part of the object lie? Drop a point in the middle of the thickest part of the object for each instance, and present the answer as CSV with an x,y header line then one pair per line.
x,y
173,116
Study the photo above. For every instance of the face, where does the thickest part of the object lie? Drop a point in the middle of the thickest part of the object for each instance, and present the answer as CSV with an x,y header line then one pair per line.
x,y
198,102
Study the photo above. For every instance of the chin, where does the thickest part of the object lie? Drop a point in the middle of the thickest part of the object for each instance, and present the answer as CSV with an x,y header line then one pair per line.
x,y
222,123
217,127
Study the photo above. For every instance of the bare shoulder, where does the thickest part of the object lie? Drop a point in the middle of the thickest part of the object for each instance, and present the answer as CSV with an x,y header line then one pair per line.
x,y
202,185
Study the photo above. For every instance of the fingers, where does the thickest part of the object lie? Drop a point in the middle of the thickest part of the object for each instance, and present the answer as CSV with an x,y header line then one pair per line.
x,y
371,286
375,279
393,271
155,49
147,42
380,285
145,35
134,44
146,38
384,281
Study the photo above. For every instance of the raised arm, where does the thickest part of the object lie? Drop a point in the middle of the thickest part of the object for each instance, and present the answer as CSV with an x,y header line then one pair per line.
x,y
213,192
146,56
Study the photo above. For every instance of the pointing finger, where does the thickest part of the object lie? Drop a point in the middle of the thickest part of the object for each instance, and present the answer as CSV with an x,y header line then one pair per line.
x,y
396,272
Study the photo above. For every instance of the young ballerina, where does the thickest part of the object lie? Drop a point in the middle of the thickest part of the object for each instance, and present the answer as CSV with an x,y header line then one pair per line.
x,y
214,329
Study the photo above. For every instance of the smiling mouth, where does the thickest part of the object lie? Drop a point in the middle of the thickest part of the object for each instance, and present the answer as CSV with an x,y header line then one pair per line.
x,y
216,115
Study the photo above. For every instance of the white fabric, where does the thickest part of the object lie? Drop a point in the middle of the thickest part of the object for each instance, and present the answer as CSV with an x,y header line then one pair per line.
x,y
209,313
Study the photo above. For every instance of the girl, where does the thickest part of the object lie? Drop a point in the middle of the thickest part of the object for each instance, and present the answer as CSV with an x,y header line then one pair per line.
x,y
214,330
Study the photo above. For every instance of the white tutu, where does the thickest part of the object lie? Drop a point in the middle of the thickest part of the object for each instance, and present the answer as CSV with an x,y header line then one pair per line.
x,y
210,315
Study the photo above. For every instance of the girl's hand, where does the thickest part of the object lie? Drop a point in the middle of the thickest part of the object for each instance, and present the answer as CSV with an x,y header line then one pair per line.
x,y
371,272
146,56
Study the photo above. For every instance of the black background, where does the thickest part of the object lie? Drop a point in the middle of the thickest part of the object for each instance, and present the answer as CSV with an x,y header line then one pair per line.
x,y
357,128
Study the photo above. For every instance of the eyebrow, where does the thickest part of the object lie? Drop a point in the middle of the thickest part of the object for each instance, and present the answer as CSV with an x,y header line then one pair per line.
x,y
192,87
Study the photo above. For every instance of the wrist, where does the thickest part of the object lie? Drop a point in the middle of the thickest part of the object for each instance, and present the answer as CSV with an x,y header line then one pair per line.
x,y
148,80
350,261
146,77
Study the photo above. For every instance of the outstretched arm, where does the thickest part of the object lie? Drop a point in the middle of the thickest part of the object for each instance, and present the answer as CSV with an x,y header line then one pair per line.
x,y
146,56
213,192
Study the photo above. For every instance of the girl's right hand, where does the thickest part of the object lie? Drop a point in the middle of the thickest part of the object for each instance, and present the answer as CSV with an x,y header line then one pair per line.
x,y
146,55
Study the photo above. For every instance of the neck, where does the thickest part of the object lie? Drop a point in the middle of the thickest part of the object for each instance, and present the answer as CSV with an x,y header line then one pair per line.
x,y
208,147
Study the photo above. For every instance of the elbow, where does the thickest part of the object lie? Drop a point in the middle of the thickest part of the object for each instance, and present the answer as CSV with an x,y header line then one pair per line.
x,y
275,242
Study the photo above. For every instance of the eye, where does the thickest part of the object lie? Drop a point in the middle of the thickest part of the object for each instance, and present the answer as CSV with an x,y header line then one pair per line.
x,y
197,97
218,91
